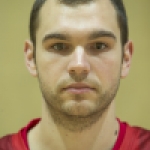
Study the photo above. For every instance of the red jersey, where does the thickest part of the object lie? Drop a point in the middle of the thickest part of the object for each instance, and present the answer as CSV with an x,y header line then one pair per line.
x,y
129,138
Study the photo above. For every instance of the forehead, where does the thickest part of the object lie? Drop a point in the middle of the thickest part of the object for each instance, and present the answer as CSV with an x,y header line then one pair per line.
x,y
98,14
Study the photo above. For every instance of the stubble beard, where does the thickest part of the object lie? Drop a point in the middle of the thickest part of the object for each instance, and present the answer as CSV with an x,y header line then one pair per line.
x,y
64,116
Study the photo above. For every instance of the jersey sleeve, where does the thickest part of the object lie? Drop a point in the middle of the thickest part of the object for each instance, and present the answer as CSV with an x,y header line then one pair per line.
x,y
136,138
12,142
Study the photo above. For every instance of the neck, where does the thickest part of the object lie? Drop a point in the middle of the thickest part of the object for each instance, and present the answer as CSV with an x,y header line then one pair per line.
x,y
52,136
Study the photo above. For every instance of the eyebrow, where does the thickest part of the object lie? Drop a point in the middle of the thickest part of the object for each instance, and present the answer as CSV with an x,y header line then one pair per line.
x,y
102,33
92,36
58,36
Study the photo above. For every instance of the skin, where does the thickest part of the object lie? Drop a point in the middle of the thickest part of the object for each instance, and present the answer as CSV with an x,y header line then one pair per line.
x,y
79,78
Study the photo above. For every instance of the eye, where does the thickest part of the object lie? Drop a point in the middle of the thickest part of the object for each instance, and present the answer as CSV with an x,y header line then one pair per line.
x,y
99,46
60,46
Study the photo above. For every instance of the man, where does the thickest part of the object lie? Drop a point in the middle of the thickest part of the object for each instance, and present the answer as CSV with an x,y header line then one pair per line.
x,y
79,50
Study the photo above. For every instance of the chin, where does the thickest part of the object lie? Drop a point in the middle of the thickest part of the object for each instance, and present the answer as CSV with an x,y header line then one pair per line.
x,y
79,108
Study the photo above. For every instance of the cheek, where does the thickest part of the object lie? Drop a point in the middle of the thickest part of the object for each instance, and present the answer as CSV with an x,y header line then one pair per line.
x,y
107,69
50,67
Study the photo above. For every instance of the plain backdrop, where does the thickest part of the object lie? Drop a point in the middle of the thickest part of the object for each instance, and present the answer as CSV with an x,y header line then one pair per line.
x,y
20,97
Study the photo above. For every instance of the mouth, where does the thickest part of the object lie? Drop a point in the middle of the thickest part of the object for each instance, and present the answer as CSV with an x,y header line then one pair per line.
x,y
78,88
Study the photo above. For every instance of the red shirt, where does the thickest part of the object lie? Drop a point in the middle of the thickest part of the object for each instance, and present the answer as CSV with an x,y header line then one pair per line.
x,y
117,145
129,138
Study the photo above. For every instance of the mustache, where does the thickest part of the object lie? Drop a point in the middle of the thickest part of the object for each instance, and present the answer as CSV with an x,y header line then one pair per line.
x,y
64,82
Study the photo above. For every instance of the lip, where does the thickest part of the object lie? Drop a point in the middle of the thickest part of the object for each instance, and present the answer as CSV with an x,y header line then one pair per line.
x,y
78,88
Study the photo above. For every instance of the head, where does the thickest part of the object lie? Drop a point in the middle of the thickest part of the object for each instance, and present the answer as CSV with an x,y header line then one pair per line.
x,y
79,59
118,5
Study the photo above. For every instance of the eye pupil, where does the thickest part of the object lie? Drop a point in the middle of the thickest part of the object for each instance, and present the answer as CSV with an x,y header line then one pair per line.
x,y
59,46
100,45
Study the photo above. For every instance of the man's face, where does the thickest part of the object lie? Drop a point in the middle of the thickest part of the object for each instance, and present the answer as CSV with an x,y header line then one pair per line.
x,y
78,56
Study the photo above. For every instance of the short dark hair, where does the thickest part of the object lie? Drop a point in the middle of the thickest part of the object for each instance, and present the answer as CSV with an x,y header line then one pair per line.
x,y
118,5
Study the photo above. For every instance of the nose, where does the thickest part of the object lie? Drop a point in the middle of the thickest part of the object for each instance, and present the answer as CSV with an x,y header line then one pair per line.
x,y
79,64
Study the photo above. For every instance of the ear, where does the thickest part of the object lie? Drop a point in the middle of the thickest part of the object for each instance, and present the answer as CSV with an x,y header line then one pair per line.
x,y
29,58
127,57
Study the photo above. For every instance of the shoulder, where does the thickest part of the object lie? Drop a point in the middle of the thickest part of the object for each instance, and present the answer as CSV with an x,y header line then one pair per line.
x,y
141,137
6,142
136,138
12,142
138,132
18,141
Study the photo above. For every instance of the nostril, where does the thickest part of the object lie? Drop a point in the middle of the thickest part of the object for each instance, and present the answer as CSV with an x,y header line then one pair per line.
x,y
78,71
85,71
72,71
